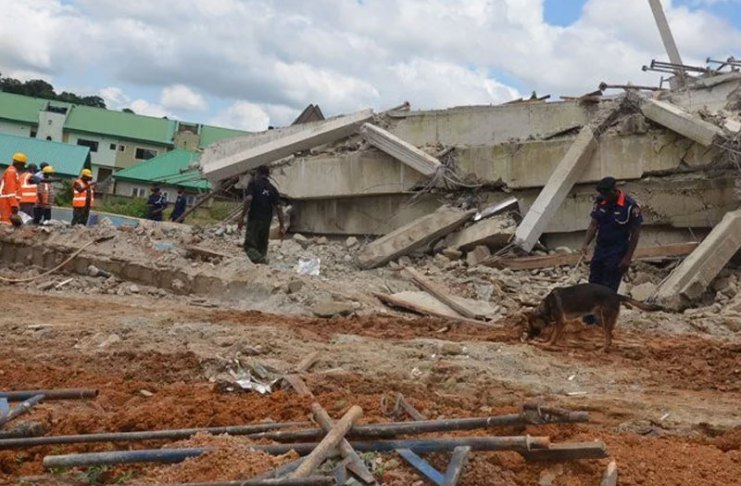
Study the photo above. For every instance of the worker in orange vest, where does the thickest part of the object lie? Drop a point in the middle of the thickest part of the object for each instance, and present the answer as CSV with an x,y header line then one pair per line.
x,y
45,196
9,190
82,197
28,190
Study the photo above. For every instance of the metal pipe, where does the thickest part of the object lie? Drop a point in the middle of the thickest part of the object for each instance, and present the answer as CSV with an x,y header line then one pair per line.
x,y
684,67
312,481
604,86
668,71
522,444
174,434
60,394
385,431
21,409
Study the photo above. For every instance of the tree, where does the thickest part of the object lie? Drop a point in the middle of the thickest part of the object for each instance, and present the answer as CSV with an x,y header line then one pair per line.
x,y
39,88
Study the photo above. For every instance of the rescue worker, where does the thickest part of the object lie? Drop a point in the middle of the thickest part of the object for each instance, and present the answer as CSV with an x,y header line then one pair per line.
x,y
181,202
261,197
44,196
82,197
40,174
616,222
28,191
156,203
10,190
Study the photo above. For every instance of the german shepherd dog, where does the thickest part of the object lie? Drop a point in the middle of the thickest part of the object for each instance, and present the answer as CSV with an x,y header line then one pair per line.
x,y
566,303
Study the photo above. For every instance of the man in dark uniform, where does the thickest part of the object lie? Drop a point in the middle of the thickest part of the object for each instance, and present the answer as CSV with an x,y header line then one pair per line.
x,y
260,198
181,203
156,204
616,221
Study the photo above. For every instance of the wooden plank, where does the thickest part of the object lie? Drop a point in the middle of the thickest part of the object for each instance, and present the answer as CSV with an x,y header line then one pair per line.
x,y
425,311
298,385
354,462
455,468
611,475
422,466
306,363
410,409
324,449
441,295
534,262
567,452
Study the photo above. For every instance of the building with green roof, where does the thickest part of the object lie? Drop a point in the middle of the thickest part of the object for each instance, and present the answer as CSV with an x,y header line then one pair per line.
x,y
116,140
170,171
67,160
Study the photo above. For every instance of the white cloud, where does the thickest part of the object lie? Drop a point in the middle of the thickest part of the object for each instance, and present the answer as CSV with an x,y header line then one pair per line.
x,y
181,97
243,115
116,99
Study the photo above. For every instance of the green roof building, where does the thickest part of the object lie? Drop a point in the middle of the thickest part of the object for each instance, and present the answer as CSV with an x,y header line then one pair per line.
x,y
67,160
169,171
115,140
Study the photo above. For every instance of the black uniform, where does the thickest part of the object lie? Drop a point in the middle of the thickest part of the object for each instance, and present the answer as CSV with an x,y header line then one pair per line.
x,y
264,198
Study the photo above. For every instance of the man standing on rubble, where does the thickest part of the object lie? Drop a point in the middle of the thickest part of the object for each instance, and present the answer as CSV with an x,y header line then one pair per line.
x,y
260,198
82,197
10,190
616,221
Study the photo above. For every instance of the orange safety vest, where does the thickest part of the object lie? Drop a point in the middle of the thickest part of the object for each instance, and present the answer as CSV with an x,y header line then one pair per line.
x,y
46,190
79,198
28,191
9,187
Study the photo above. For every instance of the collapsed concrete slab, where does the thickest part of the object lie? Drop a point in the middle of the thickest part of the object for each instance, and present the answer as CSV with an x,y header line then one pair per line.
x,y
413,236
690,279
556,189
676,119
404,152
319,134
494,232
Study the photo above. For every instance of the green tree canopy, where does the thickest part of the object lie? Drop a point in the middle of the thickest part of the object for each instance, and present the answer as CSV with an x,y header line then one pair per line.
x,y
39,88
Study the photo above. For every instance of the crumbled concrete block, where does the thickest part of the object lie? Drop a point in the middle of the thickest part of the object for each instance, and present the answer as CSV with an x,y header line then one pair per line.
x,y
643,291
295,286
301,240
332,309
404,152
478,255
676,119
452,254
493,232
351,242
413,236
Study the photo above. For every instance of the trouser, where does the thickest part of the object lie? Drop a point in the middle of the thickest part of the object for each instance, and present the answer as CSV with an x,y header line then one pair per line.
x,y
605,270
6,209
27,208
256,240
41,214
80,215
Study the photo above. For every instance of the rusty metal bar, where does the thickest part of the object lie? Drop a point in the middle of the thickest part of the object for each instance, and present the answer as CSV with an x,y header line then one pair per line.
x,y
59,394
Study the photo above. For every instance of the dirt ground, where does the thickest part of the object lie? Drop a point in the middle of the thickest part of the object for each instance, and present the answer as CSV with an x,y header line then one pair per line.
x,y
667,408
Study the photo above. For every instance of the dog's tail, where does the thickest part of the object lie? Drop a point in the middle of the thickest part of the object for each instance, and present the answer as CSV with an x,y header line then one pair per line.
x,y
644,306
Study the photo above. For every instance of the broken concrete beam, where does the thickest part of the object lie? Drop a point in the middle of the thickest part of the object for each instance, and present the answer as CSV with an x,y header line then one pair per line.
x,y
319,134
424,304
556,189
413,236
495,232
690,279
478,255
404,152
676,119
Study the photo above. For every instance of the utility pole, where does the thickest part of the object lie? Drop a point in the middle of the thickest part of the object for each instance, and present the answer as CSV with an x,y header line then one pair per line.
x,y
668,39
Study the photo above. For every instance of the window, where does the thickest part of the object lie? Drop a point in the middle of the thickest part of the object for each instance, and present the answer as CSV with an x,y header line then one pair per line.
x,y
121,148
137,192
191,200
145,154
33,134
112,146
88,143
104,174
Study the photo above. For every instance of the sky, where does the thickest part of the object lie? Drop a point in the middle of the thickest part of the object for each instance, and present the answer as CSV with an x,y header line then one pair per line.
x,y
248,64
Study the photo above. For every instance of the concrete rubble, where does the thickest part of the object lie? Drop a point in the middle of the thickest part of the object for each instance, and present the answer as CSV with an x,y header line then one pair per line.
x,y
400,150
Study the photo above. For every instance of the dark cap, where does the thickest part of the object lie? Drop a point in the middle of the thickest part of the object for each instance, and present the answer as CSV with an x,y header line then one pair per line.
x,y
263,170
606,185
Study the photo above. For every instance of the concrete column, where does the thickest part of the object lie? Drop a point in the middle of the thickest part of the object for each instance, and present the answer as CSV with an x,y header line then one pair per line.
x,y
668,39
556,189
315,135
404,152
676,119
690,279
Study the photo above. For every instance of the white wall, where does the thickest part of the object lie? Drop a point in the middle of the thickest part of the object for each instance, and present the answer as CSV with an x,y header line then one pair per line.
x,y
14,128
105,156
51,125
